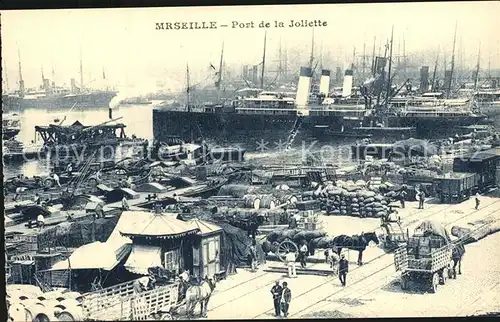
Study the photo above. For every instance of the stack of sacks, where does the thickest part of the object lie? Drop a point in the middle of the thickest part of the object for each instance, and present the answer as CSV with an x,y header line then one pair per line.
x,y
354,199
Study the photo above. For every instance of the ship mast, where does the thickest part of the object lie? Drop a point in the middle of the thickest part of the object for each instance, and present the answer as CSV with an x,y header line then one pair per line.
x,y
81,71
21,81
389,71
280,68
219,79
263,62
476,78
187,88
435,70
373,55
311,59
452,63
353,58
6,77
404,57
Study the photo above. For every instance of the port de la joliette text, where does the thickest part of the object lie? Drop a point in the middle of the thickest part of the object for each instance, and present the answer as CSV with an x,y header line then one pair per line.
x,y
201,25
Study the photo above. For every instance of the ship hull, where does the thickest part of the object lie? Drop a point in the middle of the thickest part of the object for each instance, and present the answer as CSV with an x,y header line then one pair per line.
x,y
93,100
258,128
235,128
434,125
490,109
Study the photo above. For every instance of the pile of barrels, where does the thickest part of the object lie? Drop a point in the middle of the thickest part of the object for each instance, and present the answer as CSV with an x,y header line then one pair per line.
x,y
49,306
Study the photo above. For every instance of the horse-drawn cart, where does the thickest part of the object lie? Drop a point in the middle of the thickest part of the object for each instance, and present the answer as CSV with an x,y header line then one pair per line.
x,y
282,241
426,258
121,302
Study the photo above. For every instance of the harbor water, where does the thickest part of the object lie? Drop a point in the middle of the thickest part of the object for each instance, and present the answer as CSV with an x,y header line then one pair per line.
x,y
137,118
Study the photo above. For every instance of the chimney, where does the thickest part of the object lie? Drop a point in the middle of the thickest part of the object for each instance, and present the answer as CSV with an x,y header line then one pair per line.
x,y
303,87
447,79
338,74
347,87
254,75
324,82
73,86
424,79
245,71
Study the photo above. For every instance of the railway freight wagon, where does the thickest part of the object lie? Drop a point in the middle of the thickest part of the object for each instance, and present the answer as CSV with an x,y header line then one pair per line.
x,y
456,187
483,163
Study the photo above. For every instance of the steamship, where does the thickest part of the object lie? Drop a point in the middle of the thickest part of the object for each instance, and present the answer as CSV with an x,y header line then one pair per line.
x,y
50,96
268,117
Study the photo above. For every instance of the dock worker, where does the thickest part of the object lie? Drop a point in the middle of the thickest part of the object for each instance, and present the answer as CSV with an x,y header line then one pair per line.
x,y
69,168
140,285
277,291
303,254
253,256
334,261
40,220
286,298
343,269
37,199
125,205
55,177
290,259
421,199
402,198
184,278
19,190
477,201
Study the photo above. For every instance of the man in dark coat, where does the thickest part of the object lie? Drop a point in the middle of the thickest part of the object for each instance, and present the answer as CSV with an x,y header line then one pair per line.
x,y
276,291
402,197
421,200
286,298
343,269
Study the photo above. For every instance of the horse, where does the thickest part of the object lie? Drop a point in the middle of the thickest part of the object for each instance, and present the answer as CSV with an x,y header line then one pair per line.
x,y
200,294
355,242
457,254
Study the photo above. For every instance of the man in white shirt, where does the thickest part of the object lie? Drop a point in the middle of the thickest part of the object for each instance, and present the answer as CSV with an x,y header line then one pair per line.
x,y
290,259
40,220
303,254
55,177
125,203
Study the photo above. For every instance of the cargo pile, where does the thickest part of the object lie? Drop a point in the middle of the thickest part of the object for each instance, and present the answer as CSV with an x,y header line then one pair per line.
x,y
420,248
298,236
358,199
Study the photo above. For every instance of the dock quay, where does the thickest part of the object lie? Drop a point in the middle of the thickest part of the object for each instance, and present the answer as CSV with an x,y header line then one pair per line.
x,y
278,208
242,180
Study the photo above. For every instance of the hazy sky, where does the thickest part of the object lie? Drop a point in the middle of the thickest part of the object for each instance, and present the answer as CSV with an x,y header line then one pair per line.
x,y
126,44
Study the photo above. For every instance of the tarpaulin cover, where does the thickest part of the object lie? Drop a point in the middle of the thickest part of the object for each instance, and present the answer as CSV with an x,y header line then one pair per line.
x,y
76,234
142,258
96,255
235,247
143,223
434,228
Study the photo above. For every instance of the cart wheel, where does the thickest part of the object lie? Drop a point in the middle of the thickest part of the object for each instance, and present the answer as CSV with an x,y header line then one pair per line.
x,y
48,183
286,246
435,282
93,182
444,275
166,317
404,282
